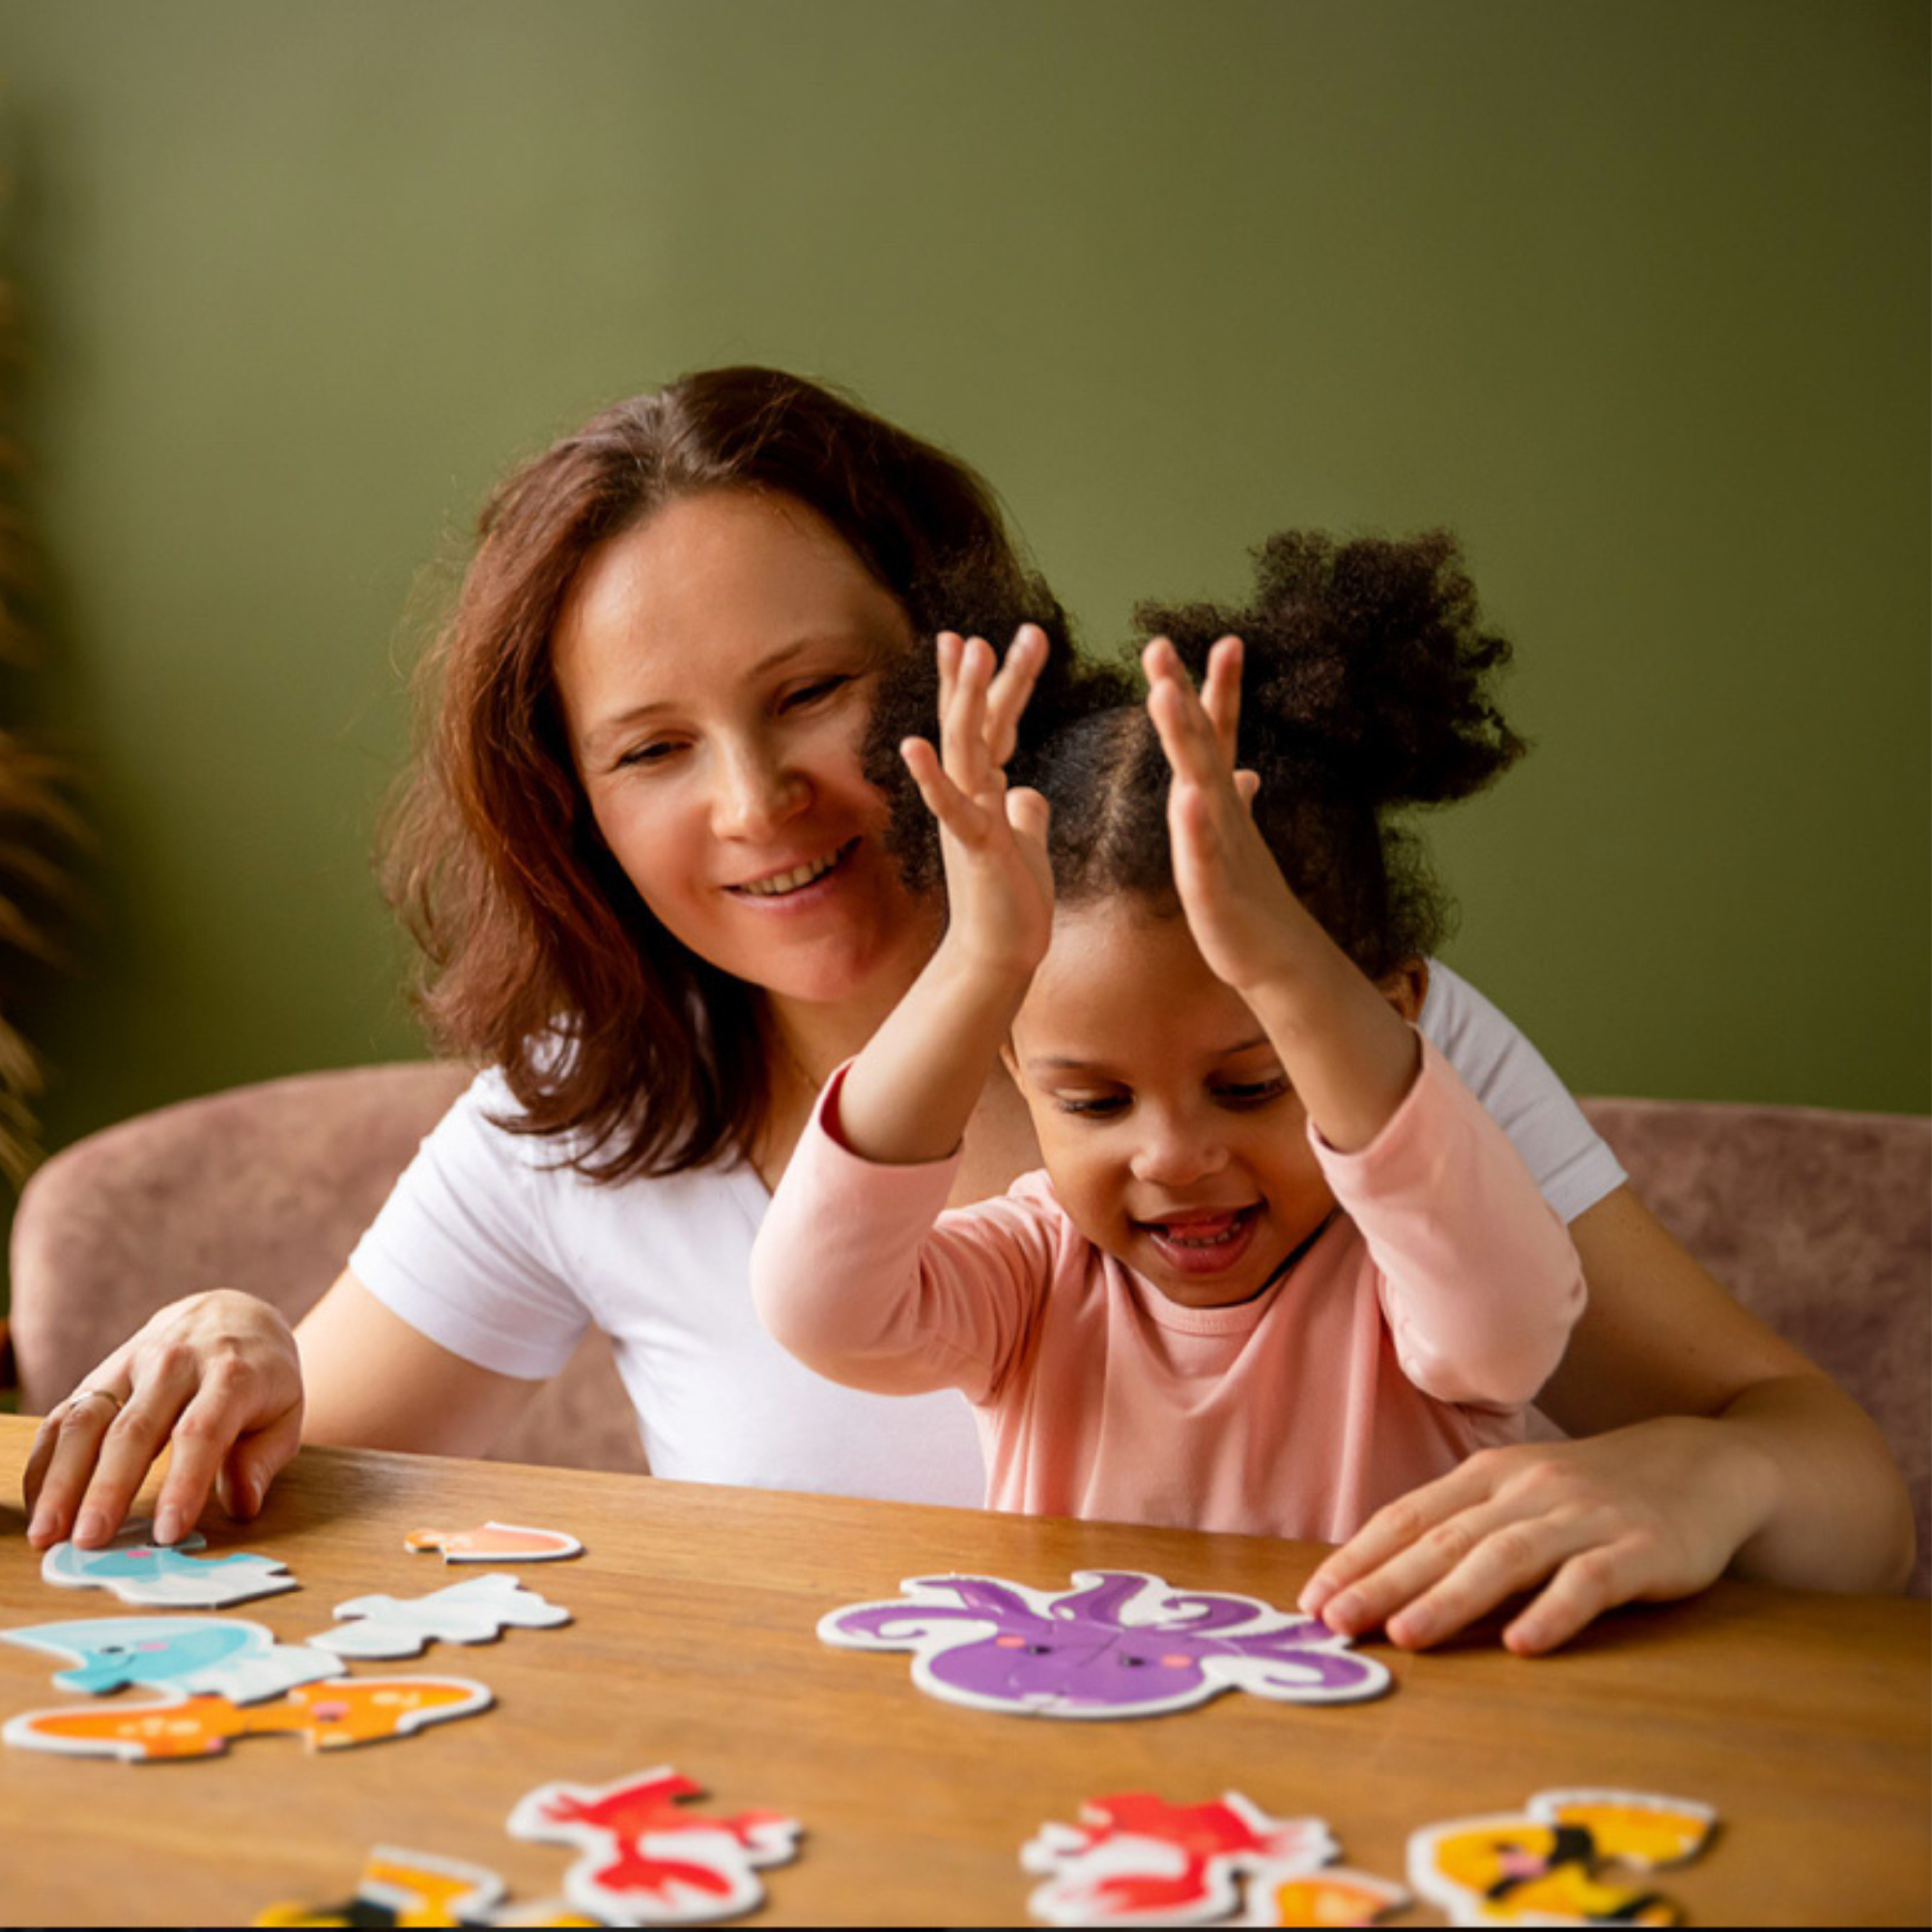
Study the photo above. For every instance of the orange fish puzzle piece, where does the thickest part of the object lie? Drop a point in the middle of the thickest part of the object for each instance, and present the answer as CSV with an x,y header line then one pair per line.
x,y
329,1716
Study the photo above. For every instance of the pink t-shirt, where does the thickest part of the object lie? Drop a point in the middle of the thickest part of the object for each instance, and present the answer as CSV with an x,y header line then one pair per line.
x,y
1417,1329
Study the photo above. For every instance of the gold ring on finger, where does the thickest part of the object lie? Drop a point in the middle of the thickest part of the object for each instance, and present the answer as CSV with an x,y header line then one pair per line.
x,y
82,1395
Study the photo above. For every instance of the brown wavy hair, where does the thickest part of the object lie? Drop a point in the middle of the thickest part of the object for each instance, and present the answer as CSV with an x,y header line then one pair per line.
x,y
538,954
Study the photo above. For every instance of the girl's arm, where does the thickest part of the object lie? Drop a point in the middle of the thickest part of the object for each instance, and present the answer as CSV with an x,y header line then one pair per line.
x,y
848,1272
1480,1284
908,1095
1344,1048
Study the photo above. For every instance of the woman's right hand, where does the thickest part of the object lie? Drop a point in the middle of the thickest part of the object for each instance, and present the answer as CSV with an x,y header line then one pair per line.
x,y
217,1376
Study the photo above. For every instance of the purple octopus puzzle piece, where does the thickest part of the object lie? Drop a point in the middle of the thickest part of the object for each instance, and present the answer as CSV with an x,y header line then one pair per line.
x,y
1120,1645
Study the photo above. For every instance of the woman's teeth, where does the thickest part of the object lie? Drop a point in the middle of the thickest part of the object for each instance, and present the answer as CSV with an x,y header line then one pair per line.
x,y
800,876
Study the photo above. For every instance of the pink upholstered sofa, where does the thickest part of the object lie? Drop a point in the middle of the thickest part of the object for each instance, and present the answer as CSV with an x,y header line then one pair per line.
x,y
1820,1222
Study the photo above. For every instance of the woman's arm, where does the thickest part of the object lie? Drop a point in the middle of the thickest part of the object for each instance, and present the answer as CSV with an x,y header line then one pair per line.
x,y
374,1382
1720,1446
220,1381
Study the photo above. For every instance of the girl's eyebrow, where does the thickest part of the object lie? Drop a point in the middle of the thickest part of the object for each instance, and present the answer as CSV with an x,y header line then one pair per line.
x,y
1055,1063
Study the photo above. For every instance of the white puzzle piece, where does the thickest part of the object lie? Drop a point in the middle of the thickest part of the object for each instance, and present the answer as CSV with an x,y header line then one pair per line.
x,y
475,1610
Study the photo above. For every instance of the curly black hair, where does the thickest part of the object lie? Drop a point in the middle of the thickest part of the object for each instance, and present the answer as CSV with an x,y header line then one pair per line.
x,y
1366,694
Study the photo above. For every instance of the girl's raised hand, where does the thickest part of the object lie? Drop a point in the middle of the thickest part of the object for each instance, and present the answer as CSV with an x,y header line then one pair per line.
x,y
998,882
1238,904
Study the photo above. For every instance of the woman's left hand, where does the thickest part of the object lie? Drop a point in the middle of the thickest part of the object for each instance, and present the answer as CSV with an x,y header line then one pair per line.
x,y
1642,1514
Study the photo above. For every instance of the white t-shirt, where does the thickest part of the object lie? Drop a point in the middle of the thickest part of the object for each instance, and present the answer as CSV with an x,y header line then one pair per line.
x,y
494,1250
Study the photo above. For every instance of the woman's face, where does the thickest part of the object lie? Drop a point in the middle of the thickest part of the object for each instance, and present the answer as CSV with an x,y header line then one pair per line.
x,y
716,667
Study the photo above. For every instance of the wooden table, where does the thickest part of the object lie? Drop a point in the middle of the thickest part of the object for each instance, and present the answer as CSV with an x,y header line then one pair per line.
x,y
1802,1719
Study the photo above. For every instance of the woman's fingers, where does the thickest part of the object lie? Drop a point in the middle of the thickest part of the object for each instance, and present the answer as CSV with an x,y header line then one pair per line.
x,y
1586,1525
100,1458
208,1375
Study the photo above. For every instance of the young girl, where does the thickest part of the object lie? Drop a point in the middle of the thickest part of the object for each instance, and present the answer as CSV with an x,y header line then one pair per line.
x,y
1282,1266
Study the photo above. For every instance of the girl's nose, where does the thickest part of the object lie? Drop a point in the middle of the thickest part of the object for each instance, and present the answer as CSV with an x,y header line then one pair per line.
x,y
757,792
1178,1152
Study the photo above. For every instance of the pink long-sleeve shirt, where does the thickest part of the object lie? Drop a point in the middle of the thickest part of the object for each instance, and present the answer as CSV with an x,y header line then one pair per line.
x,y
1415,1330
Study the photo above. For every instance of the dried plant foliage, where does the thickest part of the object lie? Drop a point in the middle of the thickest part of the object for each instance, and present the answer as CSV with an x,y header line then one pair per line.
x,y
40,830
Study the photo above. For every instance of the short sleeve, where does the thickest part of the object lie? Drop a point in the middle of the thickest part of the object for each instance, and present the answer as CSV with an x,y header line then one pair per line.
x,y
1573,1165
462,1249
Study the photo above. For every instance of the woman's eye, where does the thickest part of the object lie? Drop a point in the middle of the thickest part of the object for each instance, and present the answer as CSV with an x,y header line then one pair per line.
x,y
654,754
810,693
1251,1092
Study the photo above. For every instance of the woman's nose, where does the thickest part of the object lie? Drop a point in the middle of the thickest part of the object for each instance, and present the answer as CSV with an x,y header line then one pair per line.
x,y
757,792
1178,1152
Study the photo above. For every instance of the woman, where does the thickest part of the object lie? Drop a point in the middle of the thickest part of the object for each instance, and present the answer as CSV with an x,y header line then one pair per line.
x,y
648,864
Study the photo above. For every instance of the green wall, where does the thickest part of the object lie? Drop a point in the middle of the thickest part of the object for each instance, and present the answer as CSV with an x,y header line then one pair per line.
x,y
1635,296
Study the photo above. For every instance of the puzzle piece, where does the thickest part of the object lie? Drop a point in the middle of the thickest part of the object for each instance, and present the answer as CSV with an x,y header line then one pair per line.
x,y
331,1717
643,1860
399,1888
1543,1865
1136,1860
495,1543
1119,1644
1336,1896
472,1611
165,1575
226,1656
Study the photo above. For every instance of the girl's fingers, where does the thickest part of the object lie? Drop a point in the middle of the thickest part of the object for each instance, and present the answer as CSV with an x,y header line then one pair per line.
x,y
962,722
1028,813
957,813
946,652
1012,687
1221,693
1186,732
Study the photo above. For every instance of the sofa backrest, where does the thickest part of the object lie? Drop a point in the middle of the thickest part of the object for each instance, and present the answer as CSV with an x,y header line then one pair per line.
x,y
1820,1222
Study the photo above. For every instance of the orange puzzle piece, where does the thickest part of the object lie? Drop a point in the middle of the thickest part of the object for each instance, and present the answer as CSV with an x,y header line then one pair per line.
x,y
331,1717
495,1543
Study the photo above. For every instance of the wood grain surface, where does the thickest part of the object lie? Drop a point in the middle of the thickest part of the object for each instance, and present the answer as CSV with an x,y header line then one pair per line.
x,y
1805,1719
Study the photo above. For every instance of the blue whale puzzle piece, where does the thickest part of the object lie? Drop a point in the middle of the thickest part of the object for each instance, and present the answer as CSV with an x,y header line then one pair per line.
x,y
221,1655
139,1572
114,1652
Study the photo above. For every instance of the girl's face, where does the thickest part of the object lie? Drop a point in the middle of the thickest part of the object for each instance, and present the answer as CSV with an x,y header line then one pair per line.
x,y
716,668
1164,1117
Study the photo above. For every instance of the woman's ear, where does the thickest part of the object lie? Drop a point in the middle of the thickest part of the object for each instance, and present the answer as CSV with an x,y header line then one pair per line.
x,y
1407,987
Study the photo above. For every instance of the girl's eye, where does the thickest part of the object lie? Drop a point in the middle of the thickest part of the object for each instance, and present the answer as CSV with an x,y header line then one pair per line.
x,y
1098,1106
1251,1092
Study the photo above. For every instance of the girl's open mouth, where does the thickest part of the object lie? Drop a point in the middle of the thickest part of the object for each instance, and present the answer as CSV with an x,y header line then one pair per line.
x,y
1201,1244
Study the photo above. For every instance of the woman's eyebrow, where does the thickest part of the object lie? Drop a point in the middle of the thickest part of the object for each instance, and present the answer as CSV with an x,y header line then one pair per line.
x,y
618,722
